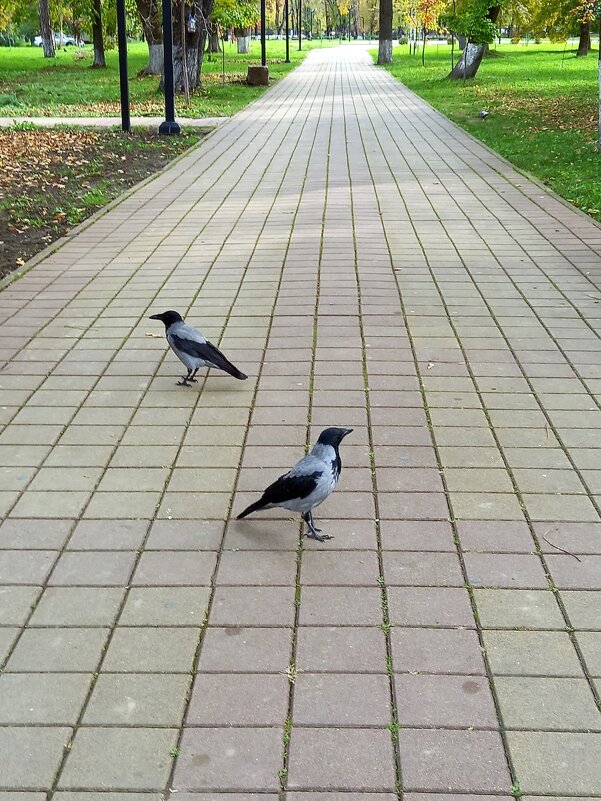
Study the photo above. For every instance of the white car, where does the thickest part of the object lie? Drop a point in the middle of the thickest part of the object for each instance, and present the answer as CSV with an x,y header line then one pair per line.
x,y
65,41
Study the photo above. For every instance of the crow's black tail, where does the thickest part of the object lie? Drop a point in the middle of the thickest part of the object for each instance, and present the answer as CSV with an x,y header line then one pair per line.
x,y
254,507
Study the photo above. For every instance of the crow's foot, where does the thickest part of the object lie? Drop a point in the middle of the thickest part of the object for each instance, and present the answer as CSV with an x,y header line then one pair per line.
x,y
183,383
313,535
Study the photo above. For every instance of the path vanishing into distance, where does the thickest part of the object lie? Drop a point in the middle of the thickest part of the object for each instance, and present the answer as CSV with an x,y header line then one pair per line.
x,y
372,266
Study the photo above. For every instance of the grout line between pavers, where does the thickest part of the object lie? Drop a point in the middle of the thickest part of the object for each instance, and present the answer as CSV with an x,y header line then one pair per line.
x,y
385,626
198,653
488,669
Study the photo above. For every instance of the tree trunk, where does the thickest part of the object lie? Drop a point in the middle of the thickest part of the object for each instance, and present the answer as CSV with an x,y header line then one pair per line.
x,y
472,55
385,34
584,45
242,39
45,29
195,36
150,15
214,44
97,37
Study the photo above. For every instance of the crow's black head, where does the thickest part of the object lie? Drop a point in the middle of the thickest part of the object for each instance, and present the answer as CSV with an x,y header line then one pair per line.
x,y
168,317
333,436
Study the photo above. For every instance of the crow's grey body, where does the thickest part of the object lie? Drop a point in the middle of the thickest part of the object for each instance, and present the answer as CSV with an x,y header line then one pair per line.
x,y
192,348
308,483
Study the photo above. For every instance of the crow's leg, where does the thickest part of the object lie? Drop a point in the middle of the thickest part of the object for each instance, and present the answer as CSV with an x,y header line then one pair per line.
x,y
192,377
314,532
185,379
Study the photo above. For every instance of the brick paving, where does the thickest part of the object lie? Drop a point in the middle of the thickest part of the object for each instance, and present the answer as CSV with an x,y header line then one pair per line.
x,y
369,265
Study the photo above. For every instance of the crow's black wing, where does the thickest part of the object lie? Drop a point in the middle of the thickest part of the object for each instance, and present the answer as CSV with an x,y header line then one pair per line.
x,y
207,352
286,488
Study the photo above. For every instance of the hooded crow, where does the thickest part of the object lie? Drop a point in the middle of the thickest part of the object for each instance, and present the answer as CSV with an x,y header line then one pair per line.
x,y
192,348
308,483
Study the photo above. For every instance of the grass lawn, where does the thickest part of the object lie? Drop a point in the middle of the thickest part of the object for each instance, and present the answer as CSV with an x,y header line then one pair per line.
x,y
31,85
543,110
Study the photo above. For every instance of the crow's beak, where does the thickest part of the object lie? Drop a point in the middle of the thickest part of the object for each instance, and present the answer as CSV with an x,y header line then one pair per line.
x,y
156,317
347,431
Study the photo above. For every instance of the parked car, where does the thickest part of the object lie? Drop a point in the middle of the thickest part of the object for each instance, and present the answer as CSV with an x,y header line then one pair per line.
x,y
65,41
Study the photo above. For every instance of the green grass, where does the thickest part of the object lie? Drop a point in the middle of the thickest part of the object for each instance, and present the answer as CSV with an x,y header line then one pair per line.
x,y
543,110
31,85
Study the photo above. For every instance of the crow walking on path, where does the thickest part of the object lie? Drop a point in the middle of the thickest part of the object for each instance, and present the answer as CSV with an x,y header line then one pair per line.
x,y
309,482
193,349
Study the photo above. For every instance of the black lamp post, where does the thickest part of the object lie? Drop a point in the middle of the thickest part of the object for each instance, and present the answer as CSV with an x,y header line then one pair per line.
x,y
169,126
300,24
287,17
263,45
124,86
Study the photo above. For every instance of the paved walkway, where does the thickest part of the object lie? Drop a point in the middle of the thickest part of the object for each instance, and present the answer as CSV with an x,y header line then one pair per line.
x,y
369,265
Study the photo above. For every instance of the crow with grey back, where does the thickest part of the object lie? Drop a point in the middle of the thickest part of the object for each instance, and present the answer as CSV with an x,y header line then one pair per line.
x,y
193,349
309,482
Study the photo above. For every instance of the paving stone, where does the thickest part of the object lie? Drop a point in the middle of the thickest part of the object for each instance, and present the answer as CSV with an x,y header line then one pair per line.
x,y
417,535
7,639
31,755
137,699
590,644
16,604
569,574
531,653
115,758
104,568
583,608
323,568
422,569
44,534
173,568
184,535
352,649
253,606
25,567
556,762
436,651
42,698
505,570
229,759
154,650
77,606
257,567
430,606
337,699
245,650
165,606
444,701
113,535
511,609
547,703
347,606
341,759
238,700
58,649
456,761
495,536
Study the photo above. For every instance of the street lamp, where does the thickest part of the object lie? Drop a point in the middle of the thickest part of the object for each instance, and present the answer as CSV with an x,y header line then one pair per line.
x,y
300,24
122,44
263,45
169,126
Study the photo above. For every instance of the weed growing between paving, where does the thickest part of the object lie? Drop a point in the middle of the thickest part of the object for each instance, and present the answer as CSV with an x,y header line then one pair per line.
x,y
55,178
542,103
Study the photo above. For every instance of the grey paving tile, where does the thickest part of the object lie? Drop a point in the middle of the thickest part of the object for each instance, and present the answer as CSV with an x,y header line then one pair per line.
x,y
220,699
137,699
229,759
336,699
547,703
16,604
511,609
456,761
445,701
152,650
42,698
58,649
341,759
31,755
557,762
531,653
119,759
